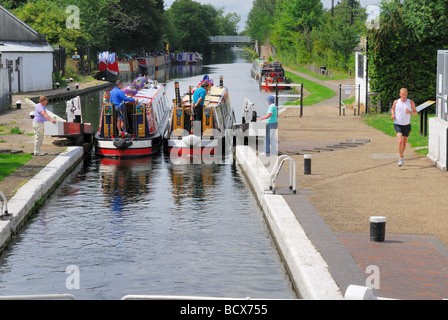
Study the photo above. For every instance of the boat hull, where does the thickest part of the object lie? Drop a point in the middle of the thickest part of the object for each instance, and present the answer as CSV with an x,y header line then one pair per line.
x,y
193,146
139,148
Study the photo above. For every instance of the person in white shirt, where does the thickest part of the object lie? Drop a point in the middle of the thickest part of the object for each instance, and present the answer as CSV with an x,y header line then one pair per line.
x,y
401,111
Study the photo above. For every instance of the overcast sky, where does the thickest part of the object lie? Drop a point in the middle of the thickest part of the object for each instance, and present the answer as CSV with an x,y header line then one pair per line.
x,y
242,7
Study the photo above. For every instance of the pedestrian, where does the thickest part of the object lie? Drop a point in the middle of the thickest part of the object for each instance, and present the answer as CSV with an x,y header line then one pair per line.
x,y
271,127
118,98
40,116
401,111
199,99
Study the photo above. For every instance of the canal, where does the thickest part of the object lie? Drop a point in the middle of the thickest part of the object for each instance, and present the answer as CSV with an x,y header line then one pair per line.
x,y
151,227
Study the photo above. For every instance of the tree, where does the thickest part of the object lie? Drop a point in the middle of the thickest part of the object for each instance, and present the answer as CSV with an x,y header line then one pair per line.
x,y
403,51
294,22
338,35
194,23
137,25
261,19
47,18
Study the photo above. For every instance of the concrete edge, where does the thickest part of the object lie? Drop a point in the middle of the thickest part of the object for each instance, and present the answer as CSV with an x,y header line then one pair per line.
x,y
36,190
309,271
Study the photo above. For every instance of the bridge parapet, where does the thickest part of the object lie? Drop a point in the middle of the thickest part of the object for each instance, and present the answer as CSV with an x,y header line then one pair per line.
x,y
235,40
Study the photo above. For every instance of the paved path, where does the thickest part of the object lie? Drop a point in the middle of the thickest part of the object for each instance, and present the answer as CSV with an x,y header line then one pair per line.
x,y
348,185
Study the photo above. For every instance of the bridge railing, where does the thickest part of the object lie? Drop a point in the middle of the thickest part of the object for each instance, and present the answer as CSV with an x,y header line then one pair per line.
x,y
231,39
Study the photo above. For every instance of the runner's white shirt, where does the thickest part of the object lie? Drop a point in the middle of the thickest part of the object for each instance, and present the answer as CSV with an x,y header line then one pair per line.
x,y
401,117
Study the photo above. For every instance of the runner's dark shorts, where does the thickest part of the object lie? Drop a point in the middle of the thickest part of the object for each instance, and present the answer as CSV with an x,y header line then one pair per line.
x,y
405,130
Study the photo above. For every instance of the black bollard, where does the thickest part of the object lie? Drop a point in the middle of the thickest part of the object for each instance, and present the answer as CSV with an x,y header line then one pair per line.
x,y
377,229
307,165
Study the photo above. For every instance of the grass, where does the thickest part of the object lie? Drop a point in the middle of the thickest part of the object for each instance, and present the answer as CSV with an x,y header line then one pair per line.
x,y
11,162
337,75
317,92
383,122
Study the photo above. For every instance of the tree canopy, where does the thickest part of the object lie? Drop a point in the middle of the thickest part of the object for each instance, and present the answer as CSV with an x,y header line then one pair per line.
x,y
125,26
403,51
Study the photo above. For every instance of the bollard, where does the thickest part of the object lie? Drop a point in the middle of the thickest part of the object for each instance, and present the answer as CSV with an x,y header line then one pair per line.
x,y
68,88
307,165
377,229
77,86
19,105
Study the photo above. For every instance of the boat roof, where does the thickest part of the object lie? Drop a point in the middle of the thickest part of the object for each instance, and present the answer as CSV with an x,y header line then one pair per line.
x,y
149,93
213,96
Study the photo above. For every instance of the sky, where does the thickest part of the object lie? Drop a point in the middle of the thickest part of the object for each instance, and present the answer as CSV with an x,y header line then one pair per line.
x,y
242,7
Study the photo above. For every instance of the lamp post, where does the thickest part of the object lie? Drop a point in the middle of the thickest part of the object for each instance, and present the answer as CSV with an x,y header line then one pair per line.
x,y
367,73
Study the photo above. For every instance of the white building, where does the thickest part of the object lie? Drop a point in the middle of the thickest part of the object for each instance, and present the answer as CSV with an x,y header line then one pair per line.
x,y
26,54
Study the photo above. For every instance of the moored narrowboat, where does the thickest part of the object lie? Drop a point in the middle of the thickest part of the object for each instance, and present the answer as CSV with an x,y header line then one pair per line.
x,y
257,68
145,122
186,137
273,74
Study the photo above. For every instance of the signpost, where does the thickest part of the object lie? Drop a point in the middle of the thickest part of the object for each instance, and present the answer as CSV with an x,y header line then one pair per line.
x,y
423,110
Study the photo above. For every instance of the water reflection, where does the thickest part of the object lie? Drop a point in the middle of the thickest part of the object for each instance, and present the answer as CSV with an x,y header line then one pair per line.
x,y
124,181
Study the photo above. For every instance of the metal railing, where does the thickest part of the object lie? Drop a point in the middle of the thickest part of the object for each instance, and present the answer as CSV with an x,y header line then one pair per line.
x,y
278,95
4,207
342,105
276,170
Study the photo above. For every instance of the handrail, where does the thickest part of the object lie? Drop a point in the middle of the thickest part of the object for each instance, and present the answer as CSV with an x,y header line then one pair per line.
x,y
5,206
277,95
276,170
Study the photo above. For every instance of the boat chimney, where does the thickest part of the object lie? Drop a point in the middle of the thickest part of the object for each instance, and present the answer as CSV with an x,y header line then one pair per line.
x,y
221,81
178,99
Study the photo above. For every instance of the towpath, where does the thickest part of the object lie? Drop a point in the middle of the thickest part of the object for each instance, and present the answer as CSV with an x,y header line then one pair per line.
x,y
350,184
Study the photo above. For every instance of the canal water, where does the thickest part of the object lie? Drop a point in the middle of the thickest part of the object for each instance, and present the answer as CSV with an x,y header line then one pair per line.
x,y
151,227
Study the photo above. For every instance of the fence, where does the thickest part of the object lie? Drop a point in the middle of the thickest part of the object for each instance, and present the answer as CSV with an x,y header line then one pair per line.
x,y
5,89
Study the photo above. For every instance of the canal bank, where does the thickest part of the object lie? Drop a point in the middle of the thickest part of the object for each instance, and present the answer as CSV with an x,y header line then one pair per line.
x,y
31,195
308,270
28,187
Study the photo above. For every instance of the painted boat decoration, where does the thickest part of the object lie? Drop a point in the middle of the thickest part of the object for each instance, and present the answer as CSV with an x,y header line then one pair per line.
x,y
145,122
210,136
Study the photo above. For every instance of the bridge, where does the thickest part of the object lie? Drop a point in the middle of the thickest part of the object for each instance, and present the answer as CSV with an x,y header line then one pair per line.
x,y
233,40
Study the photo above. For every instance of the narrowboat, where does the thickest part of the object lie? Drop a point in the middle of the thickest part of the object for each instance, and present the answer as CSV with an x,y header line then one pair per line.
x,y
273,74
145,122
185,137
257,68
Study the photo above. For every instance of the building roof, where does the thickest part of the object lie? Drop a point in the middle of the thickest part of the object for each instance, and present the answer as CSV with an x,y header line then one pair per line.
x,y
26,46
14,29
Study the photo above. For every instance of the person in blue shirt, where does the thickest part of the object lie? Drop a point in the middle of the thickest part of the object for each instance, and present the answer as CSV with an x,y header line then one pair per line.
x,y
118,98
271,126
199,98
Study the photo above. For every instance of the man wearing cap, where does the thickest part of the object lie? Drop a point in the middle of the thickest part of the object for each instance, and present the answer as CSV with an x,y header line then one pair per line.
x,y
117,97
271,126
